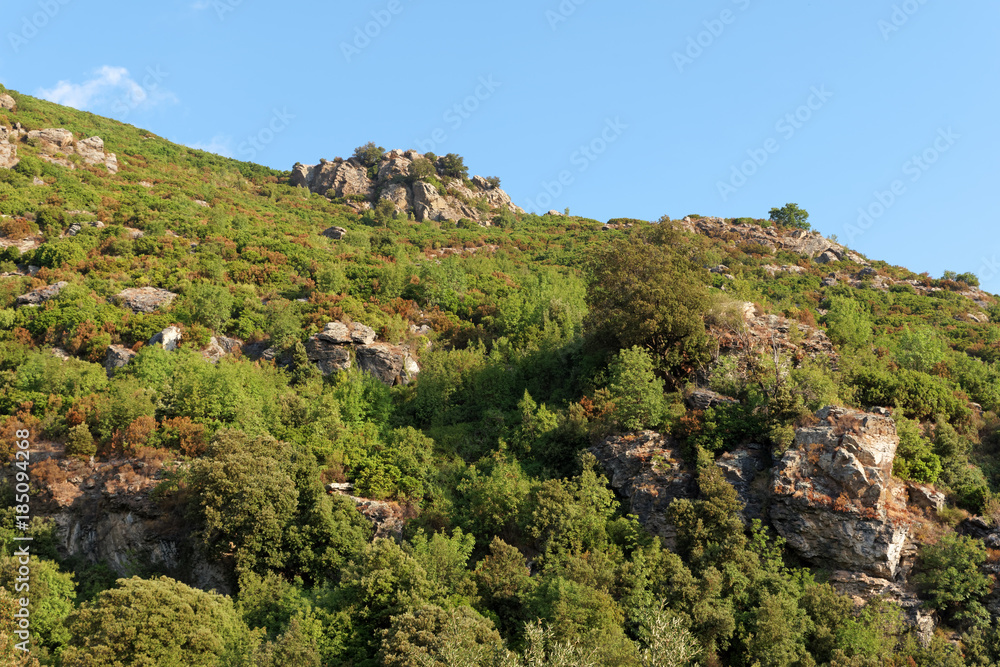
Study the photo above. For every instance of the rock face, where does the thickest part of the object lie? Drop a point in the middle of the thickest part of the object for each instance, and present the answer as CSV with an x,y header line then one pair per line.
x,y
647,468
330,350
35,297
833,497
811,244
7,102
220,346
116,357
764,331
348,179
103,513
145,299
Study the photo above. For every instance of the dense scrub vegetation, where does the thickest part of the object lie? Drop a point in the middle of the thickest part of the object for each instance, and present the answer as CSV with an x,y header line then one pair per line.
x,y
546,334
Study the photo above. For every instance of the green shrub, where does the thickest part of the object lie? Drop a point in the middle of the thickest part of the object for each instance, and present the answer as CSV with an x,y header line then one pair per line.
x,y
80,441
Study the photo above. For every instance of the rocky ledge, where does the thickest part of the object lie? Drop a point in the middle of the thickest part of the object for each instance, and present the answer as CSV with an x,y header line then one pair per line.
x,y
476,200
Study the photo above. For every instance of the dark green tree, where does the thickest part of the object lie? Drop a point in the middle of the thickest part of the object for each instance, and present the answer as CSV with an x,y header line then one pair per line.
x,y
646,290
790,215
158,622
370,154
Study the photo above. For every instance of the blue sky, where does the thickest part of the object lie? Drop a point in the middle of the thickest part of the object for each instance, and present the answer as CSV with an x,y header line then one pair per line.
x,y
626,109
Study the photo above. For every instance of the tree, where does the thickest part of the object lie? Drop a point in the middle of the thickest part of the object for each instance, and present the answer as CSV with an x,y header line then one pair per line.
x,y
420,169
790,215
158,622
848,324
645,290
370,154
635,389
245,497
453,165
209,304
436,637
950,578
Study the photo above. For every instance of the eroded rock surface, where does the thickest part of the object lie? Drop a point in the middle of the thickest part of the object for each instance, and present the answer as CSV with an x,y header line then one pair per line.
x,y
833,497
41,295
811,244
332,349
647,469
145,299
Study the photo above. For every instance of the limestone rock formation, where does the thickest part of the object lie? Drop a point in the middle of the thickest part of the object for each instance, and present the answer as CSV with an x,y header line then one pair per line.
x,y
145,299
35,297
349,180
56,145
833,497
7,102
220,346
762,332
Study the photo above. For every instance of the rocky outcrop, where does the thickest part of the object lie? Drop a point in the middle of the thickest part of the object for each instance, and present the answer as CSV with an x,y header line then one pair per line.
x,y
145,299
56,145
169,338
861,588
647,469
332,349
349,180
391,364
763,332
220,346
742,468
833,497
335,233
811,244
116,357
7,102
41,295
104,513
387,518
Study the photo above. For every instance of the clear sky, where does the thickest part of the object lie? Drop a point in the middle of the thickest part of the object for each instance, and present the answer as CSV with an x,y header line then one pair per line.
x,y
610,109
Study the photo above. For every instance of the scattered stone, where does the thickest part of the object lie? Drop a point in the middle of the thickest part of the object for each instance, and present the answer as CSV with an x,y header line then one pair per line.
x,y
827,256
35,297
145,299
116,357
201,202
219,347
8,156
7,102
335,233
168,338
703,399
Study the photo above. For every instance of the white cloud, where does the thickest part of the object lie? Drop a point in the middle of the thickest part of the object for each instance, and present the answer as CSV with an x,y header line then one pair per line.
x,y
114,89
219,144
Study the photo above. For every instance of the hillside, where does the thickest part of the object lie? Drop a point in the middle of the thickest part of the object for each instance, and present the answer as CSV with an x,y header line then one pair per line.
x,y
370,412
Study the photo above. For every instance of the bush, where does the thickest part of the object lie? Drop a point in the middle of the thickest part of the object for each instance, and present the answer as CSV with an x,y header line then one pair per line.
x,y
370,154
80,441
950,579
